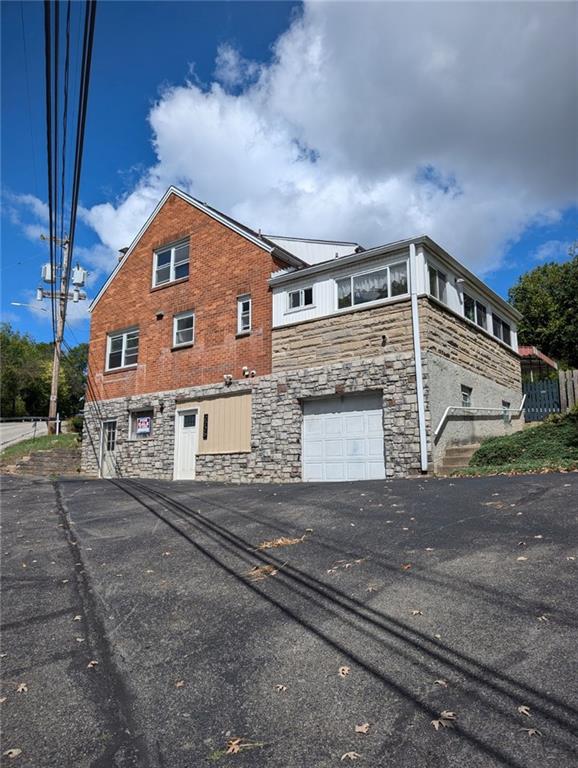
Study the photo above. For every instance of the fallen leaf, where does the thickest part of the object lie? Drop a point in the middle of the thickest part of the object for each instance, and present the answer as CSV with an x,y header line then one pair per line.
x,y
260,572
371,589
405,529
524,710
429,549
22,688
544,619
532,731
416,613
282,541
65,581
522,544
406,566
539,536
12,753
166,554
343,671
180,684
351,756
520,559
446,720
79,639
570,557
78,617
280,688
91,664
438,637
363,728
443,683
3,699
233,746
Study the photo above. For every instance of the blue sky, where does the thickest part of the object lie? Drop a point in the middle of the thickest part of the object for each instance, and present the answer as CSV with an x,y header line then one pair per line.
x,y
270,112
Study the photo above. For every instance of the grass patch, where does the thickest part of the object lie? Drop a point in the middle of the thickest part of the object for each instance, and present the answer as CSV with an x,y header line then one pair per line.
x,y
43,443
548,447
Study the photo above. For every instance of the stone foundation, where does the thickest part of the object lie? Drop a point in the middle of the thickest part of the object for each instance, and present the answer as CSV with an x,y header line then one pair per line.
x,y
277,418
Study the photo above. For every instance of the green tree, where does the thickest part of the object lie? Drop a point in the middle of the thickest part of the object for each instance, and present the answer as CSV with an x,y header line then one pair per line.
x,y
26,374
547,297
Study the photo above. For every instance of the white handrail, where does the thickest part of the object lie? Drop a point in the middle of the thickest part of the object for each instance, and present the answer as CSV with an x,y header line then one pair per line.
x,y
470,408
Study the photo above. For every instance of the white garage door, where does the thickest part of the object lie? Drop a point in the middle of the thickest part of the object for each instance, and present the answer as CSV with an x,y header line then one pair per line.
x,y
343,438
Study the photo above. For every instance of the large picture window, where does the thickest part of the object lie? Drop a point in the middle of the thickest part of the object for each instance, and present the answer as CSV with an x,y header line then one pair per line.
x,y
122,349
171,264
372,286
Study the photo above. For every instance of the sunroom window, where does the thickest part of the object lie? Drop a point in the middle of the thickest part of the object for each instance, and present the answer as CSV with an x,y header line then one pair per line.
x,y
303,297
171,264
372,286
122,349
501,330
481,315
437,283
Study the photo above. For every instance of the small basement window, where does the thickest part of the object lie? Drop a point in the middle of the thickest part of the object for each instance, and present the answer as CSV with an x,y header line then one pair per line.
x,y
183,329
303,297
466,396
141,424
170,264
437,283
122,349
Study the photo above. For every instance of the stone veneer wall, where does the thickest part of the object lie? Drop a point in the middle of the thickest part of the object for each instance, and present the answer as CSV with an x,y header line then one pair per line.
x,y
343,336
276,422
462,342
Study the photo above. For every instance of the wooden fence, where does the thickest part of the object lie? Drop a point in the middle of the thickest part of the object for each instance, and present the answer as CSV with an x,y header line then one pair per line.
x,y
550,395
568,381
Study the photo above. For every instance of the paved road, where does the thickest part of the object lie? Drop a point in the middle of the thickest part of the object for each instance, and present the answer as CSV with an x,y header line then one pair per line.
x,y
15,432
405,583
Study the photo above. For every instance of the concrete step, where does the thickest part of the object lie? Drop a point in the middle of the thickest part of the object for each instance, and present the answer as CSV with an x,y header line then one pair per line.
x,y
457,457
459,450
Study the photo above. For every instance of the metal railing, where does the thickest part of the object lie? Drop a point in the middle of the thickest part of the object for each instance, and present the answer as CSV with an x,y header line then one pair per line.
x,y
470,409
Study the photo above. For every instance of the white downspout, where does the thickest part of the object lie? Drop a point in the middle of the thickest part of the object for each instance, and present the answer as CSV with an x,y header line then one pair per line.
x,y
417,356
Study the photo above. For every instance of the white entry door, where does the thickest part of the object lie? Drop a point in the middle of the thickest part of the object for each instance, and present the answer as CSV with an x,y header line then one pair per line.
x,y
343,438
108,464
185,444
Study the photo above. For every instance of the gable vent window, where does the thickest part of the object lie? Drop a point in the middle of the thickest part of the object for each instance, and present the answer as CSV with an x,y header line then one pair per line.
x,y
171,264
183,329
501,330
301,298
437,283
122,349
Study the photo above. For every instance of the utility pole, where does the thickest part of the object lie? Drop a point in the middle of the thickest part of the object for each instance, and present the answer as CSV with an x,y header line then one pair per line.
x,y
63,295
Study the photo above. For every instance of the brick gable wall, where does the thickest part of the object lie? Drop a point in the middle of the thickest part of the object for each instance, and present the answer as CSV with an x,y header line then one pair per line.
x,y
223,266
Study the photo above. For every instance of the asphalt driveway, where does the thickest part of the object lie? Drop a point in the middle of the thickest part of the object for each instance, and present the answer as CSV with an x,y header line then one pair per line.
x,y
134,618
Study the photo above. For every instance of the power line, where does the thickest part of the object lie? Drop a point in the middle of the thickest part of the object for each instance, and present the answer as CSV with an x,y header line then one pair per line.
x,y
65,118
27,78
48,86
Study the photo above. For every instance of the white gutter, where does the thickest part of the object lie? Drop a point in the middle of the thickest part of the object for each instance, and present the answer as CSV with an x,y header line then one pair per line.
x,y
417,356
470,408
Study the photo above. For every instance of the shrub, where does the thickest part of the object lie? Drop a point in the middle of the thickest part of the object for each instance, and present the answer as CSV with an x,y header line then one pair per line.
x,y
75,424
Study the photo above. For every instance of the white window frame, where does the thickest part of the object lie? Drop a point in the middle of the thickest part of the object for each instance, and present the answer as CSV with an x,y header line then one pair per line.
x,y
381,268
439,275
501,323
182,316
240,301
172,248
302,304
116,335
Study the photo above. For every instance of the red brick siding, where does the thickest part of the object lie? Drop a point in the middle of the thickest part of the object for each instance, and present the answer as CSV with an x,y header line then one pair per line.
x,y
223,265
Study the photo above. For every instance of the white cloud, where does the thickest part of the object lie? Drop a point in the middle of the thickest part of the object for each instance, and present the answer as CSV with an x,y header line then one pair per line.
x,y
552,250
379,121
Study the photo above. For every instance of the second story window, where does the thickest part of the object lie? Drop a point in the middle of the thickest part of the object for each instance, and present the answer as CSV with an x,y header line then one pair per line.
x,y
303,297
469,308
244,314
501,330
122,349
481,315
183,329
437,283
372,286
170,264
